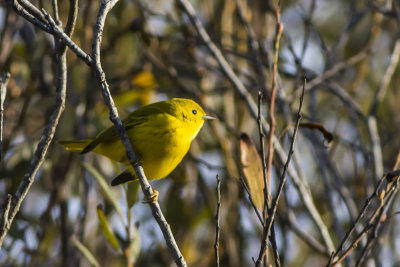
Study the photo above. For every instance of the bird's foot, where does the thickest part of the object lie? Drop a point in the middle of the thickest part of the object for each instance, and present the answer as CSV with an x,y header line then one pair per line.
x,y
152,198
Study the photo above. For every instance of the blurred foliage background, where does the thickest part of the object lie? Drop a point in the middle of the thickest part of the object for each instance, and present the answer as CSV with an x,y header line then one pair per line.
x,y
347,50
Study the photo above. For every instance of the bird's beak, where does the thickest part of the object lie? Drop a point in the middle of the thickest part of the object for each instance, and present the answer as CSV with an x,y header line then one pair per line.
x,y
206,117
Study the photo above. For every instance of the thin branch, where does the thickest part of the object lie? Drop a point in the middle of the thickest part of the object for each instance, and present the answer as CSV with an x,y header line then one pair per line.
x,y
223,63
51,28
55,10
5,222
397,162
376,149
307,25
4,78
72,16
59,33
264,167
105,7
206,163
353,245
44,143
255,49
278,34
386,196
308,239
55,30
300,185
29,7
251,201
282,183
362,212
333,71
266,181
387,77
370,123
217,222
346,98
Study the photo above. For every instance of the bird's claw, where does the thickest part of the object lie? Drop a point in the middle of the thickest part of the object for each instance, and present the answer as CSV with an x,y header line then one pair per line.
x,y
152,198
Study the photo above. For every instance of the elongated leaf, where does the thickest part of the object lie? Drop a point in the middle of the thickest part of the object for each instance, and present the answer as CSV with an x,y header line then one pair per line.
x,y
133,250
85,252
252,170
103,185
132,193
107,229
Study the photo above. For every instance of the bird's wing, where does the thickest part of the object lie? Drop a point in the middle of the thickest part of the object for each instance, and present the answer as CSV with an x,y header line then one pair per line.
x,y
134,119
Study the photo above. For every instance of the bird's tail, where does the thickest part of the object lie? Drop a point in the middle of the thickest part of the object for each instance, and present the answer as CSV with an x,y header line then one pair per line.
x,y
74,146
123,177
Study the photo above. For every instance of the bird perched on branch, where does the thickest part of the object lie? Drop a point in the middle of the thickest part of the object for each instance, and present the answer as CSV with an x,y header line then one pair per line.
x,y
160,134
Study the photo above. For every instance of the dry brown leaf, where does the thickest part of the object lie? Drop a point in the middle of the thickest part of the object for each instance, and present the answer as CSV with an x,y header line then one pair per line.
x,y
252,170
319,127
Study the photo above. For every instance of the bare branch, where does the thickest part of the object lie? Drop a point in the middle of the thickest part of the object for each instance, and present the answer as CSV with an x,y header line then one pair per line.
x,y
387,77
50,27
376,148
217,223
255,49
264,167
278,34
353,246
5,222
386,196
252,107
4,78
252,202
333,71
308,239
59,33
29,7
105,7
272,212
44,143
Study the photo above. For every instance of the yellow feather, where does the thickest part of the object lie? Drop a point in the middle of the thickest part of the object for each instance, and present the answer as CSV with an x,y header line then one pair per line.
x,y
160,134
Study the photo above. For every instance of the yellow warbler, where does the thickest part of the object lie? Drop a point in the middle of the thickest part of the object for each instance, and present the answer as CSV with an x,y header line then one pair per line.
x,y
160,134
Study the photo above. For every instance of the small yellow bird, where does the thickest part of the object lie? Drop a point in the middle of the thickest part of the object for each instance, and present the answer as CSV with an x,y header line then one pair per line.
x,y
160,134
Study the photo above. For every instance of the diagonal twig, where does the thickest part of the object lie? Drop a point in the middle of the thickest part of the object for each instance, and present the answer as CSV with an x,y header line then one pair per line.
x,y
300,185
44,143
272,212
105,7
387,77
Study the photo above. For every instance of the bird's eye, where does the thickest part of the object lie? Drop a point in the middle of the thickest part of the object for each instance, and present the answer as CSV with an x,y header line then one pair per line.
x,y
194,111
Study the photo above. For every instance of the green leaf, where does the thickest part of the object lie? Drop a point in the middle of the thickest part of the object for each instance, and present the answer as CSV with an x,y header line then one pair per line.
x,y
106,189
107,229
134,247
85,251
132,194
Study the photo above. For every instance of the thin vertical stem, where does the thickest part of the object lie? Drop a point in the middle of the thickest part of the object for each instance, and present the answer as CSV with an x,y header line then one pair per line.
x,y
264,167
272,211
4,78
217,221
278,34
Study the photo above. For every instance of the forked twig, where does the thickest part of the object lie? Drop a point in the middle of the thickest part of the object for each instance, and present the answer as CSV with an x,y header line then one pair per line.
x,y
105,7
300,185
272,211
44,143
